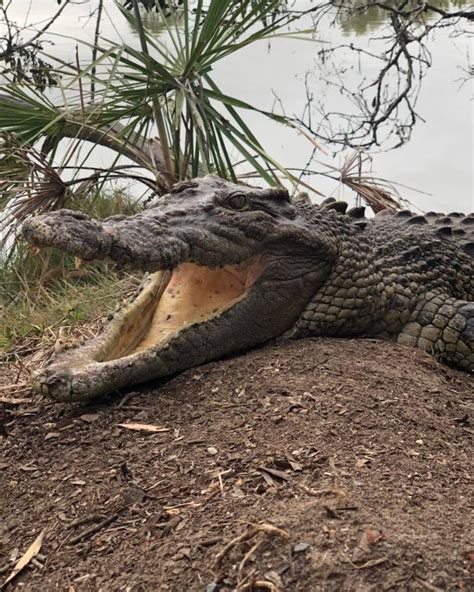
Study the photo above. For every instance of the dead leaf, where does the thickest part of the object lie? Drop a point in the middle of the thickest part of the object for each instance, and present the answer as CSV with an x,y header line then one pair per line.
x,y
31,552
143,427
89,417
373,536
296,466
369,538
50,435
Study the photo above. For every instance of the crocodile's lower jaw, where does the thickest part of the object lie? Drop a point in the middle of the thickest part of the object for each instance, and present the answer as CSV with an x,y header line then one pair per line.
x,y
168,302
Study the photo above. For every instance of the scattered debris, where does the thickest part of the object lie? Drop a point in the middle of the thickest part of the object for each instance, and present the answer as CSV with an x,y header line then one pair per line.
x,y
28,556
158,512
251,532
92,530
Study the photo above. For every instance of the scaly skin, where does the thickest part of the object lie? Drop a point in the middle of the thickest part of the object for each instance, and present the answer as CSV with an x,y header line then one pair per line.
x,y
416,285
324,272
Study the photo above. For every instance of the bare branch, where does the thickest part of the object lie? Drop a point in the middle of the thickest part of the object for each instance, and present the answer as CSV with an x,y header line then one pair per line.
x,y
14,48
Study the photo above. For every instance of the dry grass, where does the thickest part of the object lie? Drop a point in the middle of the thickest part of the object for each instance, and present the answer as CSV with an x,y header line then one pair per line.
x,y
46,316
378,193
43,297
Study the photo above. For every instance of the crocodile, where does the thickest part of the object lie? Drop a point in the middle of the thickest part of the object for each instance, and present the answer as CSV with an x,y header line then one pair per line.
x,y
230,266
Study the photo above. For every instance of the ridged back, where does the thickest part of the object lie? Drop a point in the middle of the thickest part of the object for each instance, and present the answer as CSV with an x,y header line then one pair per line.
x,y
454,227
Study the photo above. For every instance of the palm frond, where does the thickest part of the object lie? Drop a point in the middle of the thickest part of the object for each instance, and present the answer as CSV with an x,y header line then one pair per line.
x,y
165,85
37,189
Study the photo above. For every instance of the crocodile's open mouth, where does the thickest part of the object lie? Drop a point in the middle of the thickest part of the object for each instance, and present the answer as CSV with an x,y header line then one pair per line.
x,y
145,338
173,300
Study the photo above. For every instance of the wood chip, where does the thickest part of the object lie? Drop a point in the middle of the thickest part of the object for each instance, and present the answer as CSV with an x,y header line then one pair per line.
x,y
268,480
143,427
275,473
89,417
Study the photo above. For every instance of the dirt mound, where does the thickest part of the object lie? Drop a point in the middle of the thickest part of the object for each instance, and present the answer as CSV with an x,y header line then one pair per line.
x,y
305,466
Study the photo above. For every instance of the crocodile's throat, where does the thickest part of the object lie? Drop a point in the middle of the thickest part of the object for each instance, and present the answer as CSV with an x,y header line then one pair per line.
x,y
172,301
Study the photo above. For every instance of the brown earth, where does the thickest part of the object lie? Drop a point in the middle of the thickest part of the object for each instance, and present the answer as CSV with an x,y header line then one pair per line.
x,y
340,464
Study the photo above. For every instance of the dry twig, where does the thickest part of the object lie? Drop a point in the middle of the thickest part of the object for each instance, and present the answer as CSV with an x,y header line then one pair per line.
x,y
262,584
264,528
326,491
93,529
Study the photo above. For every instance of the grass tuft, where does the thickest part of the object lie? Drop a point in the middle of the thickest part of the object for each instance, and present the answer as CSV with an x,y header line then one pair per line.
x,y
61,312
45,299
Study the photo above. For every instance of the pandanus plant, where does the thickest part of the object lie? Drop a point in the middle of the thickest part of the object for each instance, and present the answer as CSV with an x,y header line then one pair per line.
x,y
156,106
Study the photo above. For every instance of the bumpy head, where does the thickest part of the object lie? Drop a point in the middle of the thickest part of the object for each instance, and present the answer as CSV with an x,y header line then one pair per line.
x,y
232,265
207,221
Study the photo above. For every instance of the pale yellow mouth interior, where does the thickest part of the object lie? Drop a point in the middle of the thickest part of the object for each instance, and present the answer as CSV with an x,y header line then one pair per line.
x,y
171,301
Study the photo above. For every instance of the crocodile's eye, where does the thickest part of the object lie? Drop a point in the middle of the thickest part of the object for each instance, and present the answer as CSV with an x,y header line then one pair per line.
x,y
237,201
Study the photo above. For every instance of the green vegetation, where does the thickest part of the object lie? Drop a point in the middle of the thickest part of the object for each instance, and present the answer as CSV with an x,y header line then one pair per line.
x,y
62,297
160,112
158,106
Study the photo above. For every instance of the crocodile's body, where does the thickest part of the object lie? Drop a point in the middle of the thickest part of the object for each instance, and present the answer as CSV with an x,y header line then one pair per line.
x,y
239,266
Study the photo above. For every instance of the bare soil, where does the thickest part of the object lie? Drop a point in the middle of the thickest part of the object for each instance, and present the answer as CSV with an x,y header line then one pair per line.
x,y
314,465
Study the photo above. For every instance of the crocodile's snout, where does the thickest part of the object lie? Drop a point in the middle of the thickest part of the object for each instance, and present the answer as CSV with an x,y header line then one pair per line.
x,y
70,231
48,382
